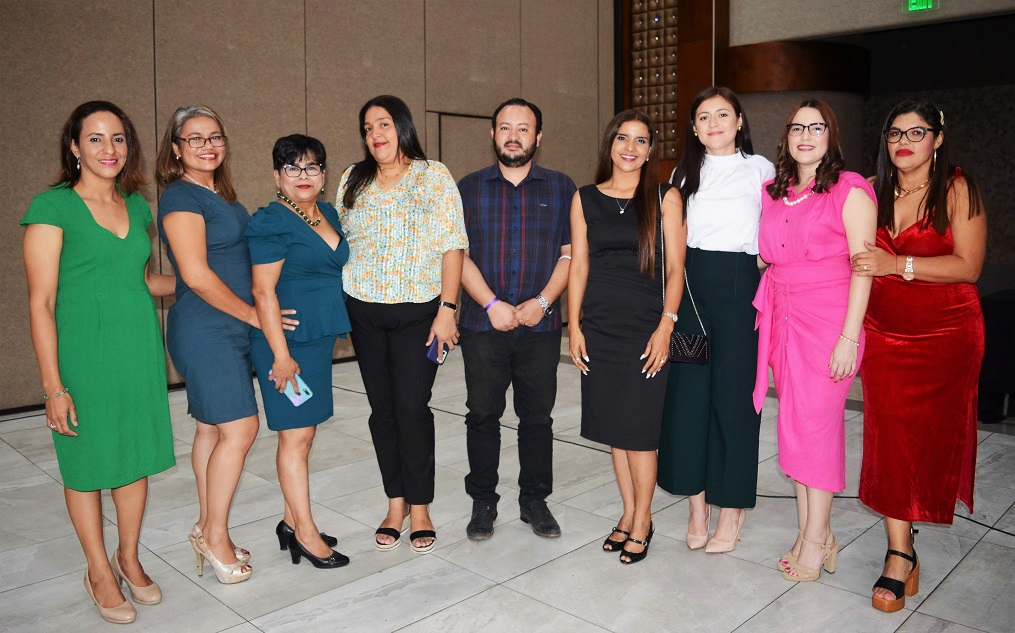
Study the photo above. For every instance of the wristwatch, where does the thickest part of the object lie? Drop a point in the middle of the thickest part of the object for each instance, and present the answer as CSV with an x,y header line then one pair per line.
x,y
670,315
546,305
908,274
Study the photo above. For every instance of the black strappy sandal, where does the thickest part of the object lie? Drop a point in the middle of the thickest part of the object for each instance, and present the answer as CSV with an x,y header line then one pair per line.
x,y
634,557
609,545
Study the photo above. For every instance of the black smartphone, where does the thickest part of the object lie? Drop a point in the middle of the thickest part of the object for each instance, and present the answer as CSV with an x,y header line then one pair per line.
x,y
435,354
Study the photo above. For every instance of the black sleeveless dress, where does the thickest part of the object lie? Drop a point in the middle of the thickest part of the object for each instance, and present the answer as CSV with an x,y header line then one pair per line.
x,y
621,310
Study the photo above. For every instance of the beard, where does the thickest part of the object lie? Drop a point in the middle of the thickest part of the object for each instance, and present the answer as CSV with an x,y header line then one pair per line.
x,y
517,160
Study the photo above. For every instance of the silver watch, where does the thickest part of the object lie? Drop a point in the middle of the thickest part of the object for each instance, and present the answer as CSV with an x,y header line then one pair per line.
x,y
546,305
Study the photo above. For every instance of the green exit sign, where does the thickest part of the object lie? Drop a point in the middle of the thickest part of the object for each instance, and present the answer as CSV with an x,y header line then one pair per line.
x,y
919,5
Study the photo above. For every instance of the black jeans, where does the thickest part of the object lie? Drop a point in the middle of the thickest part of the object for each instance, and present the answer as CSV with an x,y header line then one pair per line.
x,y
390,343
493,360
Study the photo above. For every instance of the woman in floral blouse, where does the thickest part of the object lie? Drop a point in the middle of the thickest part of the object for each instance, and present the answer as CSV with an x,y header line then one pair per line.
x,y
403,217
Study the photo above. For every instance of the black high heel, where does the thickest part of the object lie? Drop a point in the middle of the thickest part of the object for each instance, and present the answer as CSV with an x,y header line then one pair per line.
x,y
297,551
609,545
283,531
634,557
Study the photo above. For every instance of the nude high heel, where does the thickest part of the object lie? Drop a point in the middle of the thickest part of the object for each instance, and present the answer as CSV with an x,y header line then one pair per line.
x,y
788,558
150,594
796,572
242,555
120,614
697,541
226,573
716,546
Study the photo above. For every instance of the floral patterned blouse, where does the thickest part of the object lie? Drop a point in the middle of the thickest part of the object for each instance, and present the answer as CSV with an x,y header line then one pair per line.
x,y
398,237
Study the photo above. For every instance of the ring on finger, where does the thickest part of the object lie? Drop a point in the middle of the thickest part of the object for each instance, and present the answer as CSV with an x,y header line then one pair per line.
x,y
52,426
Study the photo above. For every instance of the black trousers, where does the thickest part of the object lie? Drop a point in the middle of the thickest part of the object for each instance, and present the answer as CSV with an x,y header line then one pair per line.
x,y
390,342
493,360
710,429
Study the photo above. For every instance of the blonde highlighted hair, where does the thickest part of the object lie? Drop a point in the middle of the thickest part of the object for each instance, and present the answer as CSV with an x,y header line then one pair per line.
x,y
169,168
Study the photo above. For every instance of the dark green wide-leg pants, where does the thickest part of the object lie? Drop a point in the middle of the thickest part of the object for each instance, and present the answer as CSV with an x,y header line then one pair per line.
x,y
710,430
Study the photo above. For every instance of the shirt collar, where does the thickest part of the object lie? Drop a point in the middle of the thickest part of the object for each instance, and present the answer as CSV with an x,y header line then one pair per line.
x,y
535,173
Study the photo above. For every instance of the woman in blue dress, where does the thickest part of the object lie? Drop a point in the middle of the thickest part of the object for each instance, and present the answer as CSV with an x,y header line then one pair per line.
x,y
208,328
297,249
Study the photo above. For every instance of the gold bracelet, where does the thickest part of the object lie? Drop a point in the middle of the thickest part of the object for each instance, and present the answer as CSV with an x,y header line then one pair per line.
x,y
56,395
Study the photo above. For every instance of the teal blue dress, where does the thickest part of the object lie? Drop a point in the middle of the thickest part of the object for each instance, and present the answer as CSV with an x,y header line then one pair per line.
x,y
310,283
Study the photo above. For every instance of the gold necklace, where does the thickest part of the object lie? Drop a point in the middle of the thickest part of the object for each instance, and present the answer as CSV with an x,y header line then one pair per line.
x,y
381,168
902,193
193,180
299,211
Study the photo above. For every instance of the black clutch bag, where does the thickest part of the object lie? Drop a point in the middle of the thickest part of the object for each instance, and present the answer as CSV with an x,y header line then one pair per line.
x,y
684,348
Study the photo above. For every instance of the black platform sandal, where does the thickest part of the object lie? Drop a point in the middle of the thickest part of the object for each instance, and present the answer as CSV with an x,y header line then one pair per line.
x,y
899,588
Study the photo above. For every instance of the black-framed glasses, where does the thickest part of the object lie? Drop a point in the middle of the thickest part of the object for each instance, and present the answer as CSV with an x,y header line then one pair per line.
x,y
914,134
197,142
796,129
294,171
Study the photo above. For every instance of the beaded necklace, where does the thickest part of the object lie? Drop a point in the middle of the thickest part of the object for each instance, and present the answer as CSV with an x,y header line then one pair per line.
x,y
298,210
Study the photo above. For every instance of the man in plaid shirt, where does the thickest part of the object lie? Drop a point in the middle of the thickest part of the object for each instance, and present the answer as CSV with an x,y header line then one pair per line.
x,y
517,216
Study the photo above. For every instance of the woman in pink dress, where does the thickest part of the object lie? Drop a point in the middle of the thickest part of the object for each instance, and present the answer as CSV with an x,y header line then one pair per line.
x,y
810,318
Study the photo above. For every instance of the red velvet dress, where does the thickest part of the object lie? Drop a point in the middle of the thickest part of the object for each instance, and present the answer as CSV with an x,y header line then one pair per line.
x,y
919,372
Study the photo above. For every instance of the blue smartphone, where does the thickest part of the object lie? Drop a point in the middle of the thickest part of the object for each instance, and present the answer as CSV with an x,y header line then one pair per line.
x,y
297,398
435,354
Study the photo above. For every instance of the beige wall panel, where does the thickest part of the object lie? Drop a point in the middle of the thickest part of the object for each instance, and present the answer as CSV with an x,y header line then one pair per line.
x,y
472,53
752,21
767,112
560,74
351,58
53,60
607,96
244,59
465,144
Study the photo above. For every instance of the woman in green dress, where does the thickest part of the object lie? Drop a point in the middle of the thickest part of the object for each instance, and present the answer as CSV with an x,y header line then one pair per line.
x,y
96,336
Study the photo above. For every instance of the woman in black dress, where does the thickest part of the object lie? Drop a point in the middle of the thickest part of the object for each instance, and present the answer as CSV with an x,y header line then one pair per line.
x,y
616,285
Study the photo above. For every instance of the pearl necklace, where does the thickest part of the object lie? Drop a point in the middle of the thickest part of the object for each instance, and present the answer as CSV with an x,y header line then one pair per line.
x,y
792,203
193,180
298,210
902,193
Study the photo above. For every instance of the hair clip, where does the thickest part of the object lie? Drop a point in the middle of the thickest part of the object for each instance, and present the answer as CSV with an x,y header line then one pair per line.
x,y
942,116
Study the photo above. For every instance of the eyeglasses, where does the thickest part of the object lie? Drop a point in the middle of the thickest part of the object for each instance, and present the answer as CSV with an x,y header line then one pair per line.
x,y
914,134
817,129
197,142
294,171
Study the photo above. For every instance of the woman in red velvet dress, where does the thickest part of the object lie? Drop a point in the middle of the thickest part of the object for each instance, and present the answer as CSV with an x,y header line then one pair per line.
x,y
924,340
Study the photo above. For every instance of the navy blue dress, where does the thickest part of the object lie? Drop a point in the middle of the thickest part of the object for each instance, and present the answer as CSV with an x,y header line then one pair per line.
x,y
209,348
310,283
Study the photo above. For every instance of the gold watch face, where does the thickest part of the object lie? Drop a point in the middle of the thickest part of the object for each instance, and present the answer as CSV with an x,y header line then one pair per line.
x,y
909,275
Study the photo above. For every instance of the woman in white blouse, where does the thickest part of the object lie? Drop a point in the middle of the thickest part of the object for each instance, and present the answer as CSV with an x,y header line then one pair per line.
x,y
709,444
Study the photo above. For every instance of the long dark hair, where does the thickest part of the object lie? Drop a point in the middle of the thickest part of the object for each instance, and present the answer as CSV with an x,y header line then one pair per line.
x,y
645,194
131,177
363,172
831,164
687,176
168,167
933,210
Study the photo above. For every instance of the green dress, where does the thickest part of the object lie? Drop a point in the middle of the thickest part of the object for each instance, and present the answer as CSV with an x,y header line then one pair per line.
x,y
110,346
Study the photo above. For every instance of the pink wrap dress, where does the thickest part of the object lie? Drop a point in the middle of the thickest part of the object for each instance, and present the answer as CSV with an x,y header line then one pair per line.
x,y
801,306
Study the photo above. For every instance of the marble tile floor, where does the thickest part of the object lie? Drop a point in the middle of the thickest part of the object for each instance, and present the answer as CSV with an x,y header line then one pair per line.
x,y
515,581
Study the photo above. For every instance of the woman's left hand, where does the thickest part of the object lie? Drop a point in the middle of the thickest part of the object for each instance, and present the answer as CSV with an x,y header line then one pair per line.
x,y
284,370
875,262
657,351
444,329
842,364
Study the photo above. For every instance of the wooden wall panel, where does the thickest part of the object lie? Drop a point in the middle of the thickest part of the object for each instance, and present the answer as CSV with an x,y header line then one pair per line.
x,y
465,144
54,60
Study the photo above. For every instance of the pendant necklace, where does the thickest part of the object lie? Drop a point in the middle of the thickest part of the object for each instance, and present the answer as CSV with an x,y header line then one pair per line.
x,y
902,193
193,180
623,208
298,210
400,167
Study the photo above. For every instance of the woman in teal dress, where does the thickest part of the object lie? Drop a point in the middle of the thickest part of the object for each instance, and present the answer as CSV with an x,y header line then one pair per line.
x,y
297,250
96,335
